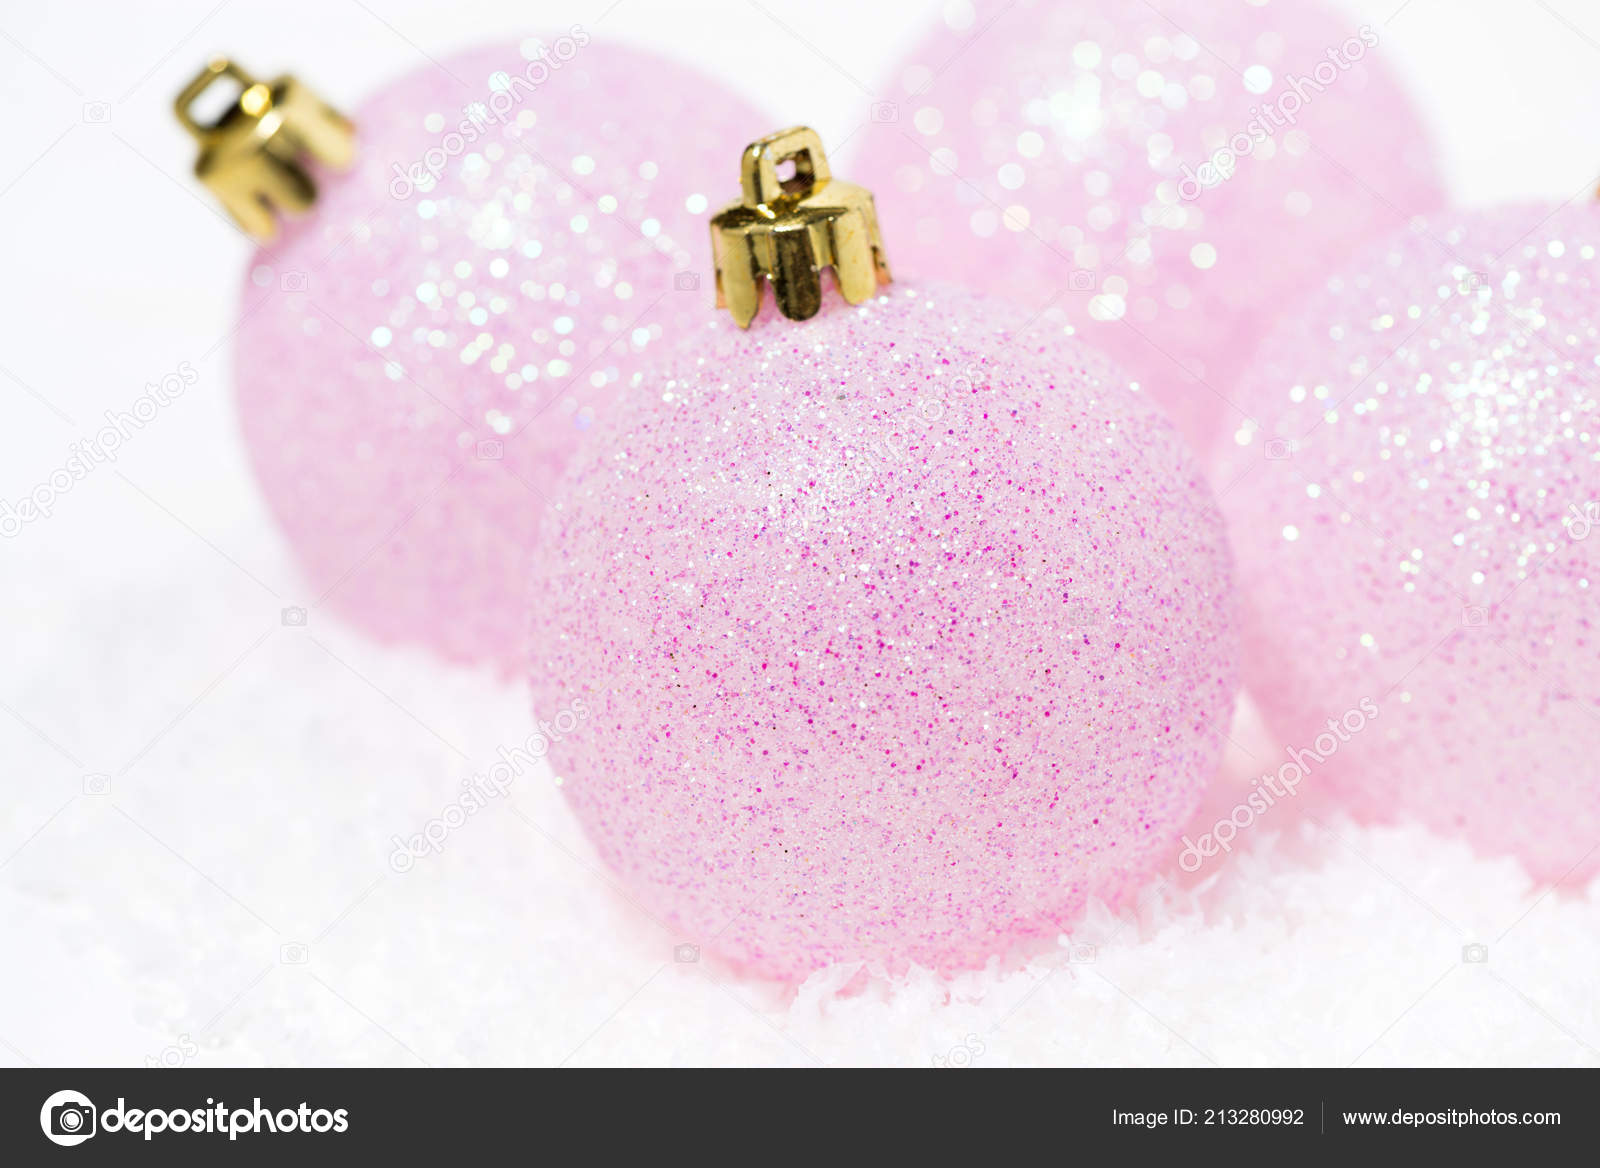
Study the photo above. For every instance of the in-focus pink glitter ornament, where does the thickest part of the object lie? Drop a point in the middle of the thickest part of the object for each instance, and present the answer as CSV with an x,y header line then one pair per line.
x,y
1414,516
895,634
422,353
1067,155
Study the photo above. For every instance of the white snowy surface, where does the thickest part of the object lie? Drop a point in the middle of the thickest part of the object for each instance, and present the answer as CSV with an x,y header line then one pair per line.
x,y
254,771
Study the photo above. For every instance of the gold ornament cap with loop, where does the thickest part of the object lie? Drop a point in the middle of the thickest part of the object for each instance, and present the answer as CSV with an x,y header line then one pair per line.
x,y
787,230
254,156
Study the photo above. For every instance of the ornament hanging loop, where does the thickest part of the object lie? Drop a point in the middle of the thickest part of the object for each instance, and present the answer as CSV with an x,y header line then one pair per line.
x,y
759,177
785,230
254,158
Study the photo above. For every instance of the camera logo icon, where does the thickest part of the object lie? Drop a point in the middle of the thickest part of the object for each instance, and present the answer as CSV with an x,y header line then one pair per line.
x,y
885,111
96,113
292,282
97,784
1474,616
1472,282
293,617
1080,953
294,953
686,282
1278,449
1082,280
1082,615
68,1118
491,450
686,954
1475,954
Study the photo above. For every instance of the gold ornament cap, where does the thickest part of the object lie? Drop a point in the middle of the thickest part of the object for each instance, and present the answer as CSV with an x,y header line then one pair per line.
x,y
254,156
787,230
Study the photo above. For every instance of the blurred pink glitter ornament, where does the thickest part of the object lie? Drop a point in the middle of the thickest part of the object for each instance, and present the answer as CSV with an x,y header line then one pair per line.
x,y
421,354
1413,513
893,636
1164,176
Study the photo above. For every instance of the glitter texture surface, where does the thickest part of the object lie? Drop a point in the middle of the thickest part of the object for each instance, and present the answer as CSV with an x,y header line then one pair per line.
x,y
1413,516
1066,155
420,355
890,636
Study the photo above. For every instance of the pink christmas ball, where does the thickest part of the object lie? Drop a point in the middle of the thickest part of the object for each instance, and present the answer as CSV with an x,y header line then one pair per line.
x,y
1413,511
890,636
1159,181
422,353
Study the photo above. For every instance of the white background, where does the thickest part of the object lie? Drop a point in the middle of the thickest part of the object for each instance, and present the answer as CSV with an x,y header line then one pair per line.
x,y
255,771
